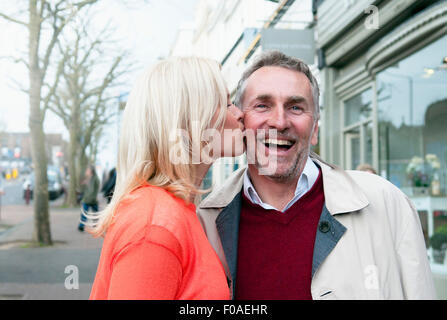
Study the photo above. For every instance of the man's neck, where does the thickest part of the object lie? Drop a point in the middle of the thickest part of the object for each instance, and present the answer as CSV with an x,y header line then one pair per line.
x,y
276,193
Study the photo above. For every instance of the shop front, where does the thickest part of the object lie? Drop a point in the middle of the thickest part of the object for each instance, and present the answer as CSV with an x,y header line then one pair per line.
x,y
385,104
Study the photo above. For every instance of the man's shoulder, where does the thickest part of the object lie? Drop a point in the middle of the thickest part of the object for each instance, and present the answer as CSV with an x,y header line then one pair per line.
x,y
370,182
223,194
353,190
379,190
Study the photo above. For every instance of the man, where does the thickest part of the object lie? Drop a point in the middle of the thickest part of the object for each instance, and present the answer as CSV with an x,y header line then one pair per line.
x,y
308,229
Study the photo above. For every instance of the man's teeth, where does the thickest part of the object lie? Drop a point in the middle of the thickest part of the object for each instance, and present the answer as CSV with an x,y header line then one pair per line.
x,y
278,142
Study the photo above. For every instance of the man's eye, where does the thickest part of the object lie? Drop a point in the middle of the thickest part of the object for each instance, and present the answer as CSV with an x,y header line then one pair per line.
x,y
261,106
297,108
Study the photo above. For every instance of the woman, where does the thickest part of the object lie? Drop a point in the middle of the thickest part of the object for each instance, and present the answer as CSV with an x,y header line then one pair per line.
x,y
154,246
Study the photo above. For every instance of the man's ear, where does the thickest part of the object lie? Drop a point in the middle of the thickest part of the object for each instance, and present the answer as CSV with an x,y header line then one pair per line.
x,y
314,138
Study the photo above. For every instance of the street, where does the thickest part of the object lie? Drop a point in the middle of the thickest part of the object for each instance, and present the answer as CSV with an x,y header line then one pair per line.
x,y
48,264
29,272
13,192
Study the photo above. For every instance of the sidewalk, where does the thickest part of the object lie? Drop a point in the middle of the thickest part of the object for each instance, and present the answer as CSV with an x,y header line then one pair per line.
x,y
41,273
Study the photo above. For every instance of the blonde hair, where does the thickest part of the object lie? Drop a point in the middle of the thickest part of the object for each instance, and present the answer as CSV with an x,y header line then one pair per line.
x,y
178,93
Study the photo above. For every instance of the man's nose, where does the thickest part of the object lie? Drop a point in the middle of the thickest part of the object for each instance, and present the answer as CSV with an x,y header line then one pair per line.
x,y
278,119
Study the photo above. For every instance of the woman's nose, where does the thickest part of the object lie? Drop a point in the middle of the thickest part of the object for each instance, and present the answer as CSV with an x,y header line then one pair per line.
x,y
238,114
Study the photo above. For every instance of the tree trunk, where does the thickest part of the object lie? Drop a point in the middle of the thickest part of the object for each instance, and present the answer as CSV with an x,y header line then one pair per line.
x,y
42,232
74,132
83,163
74,182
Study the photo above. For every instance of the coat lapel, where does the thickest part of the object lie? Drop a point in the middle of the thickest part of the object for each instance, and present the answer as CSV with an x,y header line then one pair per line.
x,y
329,232
227,223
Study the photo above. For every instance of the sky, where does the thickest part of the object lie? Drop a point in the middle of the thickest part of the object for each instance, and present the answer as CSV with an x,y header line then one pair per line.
x,y
148,28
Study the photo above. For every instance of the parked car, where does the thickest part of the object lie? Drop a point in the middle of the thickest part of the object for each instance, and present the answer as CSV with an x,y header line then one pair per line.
x,y
55,186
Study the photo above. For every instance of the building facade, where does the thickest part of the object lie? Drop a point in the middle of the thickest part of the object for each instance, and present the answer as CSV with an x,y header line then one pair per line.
x,y
15,151
384,68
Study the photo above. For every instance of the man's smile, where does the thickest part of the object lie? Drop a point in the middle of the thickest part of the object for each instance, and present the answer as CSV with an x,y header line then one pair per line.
x,y
279,144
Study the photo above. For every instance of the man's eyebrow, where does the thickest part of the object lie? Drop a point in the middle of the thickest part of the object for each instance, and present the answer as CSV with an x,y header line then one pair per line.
x,y
290,100
296,99
263,97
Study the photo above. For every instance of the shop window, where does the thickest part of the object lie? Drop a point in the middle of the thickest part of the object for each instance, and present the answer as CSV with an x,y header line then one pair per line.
x,y
334,135
358,108
357,129
412,116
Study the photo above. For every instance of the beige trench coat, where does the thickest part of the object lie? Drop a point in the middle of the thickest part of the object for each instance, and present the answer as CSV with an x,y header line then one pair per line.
x,y
374,249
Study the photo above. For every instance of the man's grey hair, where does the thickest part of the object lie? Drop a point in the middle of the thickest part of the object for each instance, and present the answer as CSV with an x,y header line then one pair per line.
x,y
278,59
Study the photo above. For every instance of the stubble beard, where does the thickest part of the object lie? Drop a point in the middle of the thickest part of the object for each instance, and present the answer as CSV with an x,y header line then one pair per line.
x,y
293,171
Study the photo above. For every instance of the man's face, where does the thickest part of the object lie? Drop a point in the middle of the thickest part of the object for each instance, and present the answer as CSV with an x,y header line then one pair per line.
x,y
280,100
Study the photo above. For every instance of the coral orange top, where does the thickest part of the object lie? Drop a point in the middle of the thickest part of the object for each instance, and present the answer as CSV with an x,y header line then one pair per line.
x,y
156,249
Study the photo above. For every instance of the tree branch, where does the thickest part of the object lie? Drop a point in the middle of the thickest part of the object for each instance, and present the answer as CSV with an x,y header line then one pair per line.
x,y
83,3
13,20
17,60
57,29
53,88
19,85
59,112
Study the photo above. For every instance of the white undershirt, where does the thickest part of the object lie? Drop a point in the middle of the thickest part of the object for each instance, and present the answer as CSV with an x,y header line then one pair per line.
x,y
306,181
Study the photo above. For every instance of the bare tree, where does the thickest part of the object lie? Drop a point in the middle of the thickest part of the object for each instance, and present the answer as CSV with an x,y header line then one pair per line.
x,y
47,17
90,69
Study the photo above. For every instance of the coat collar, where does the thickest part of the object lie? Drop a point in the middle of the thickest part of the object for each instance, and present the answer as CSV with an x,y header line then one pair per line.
x,y
341,193
227,224
221,196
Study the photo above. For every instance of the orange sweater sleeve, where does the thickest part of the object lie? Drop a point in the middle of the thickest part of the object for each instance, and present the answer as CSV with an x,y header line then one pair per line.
x,y
145,271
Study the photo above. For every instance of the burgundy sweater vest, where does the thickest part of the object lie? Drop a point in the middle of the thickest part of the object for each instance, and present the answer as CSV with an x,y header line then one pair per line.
x,y
275,249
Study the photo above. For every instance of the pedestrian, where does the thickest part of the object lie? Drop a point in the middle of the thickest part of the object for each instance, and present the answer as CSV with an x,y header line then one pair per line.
x,y
90,188
154,245
28,192
306,229
366,167
109,185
